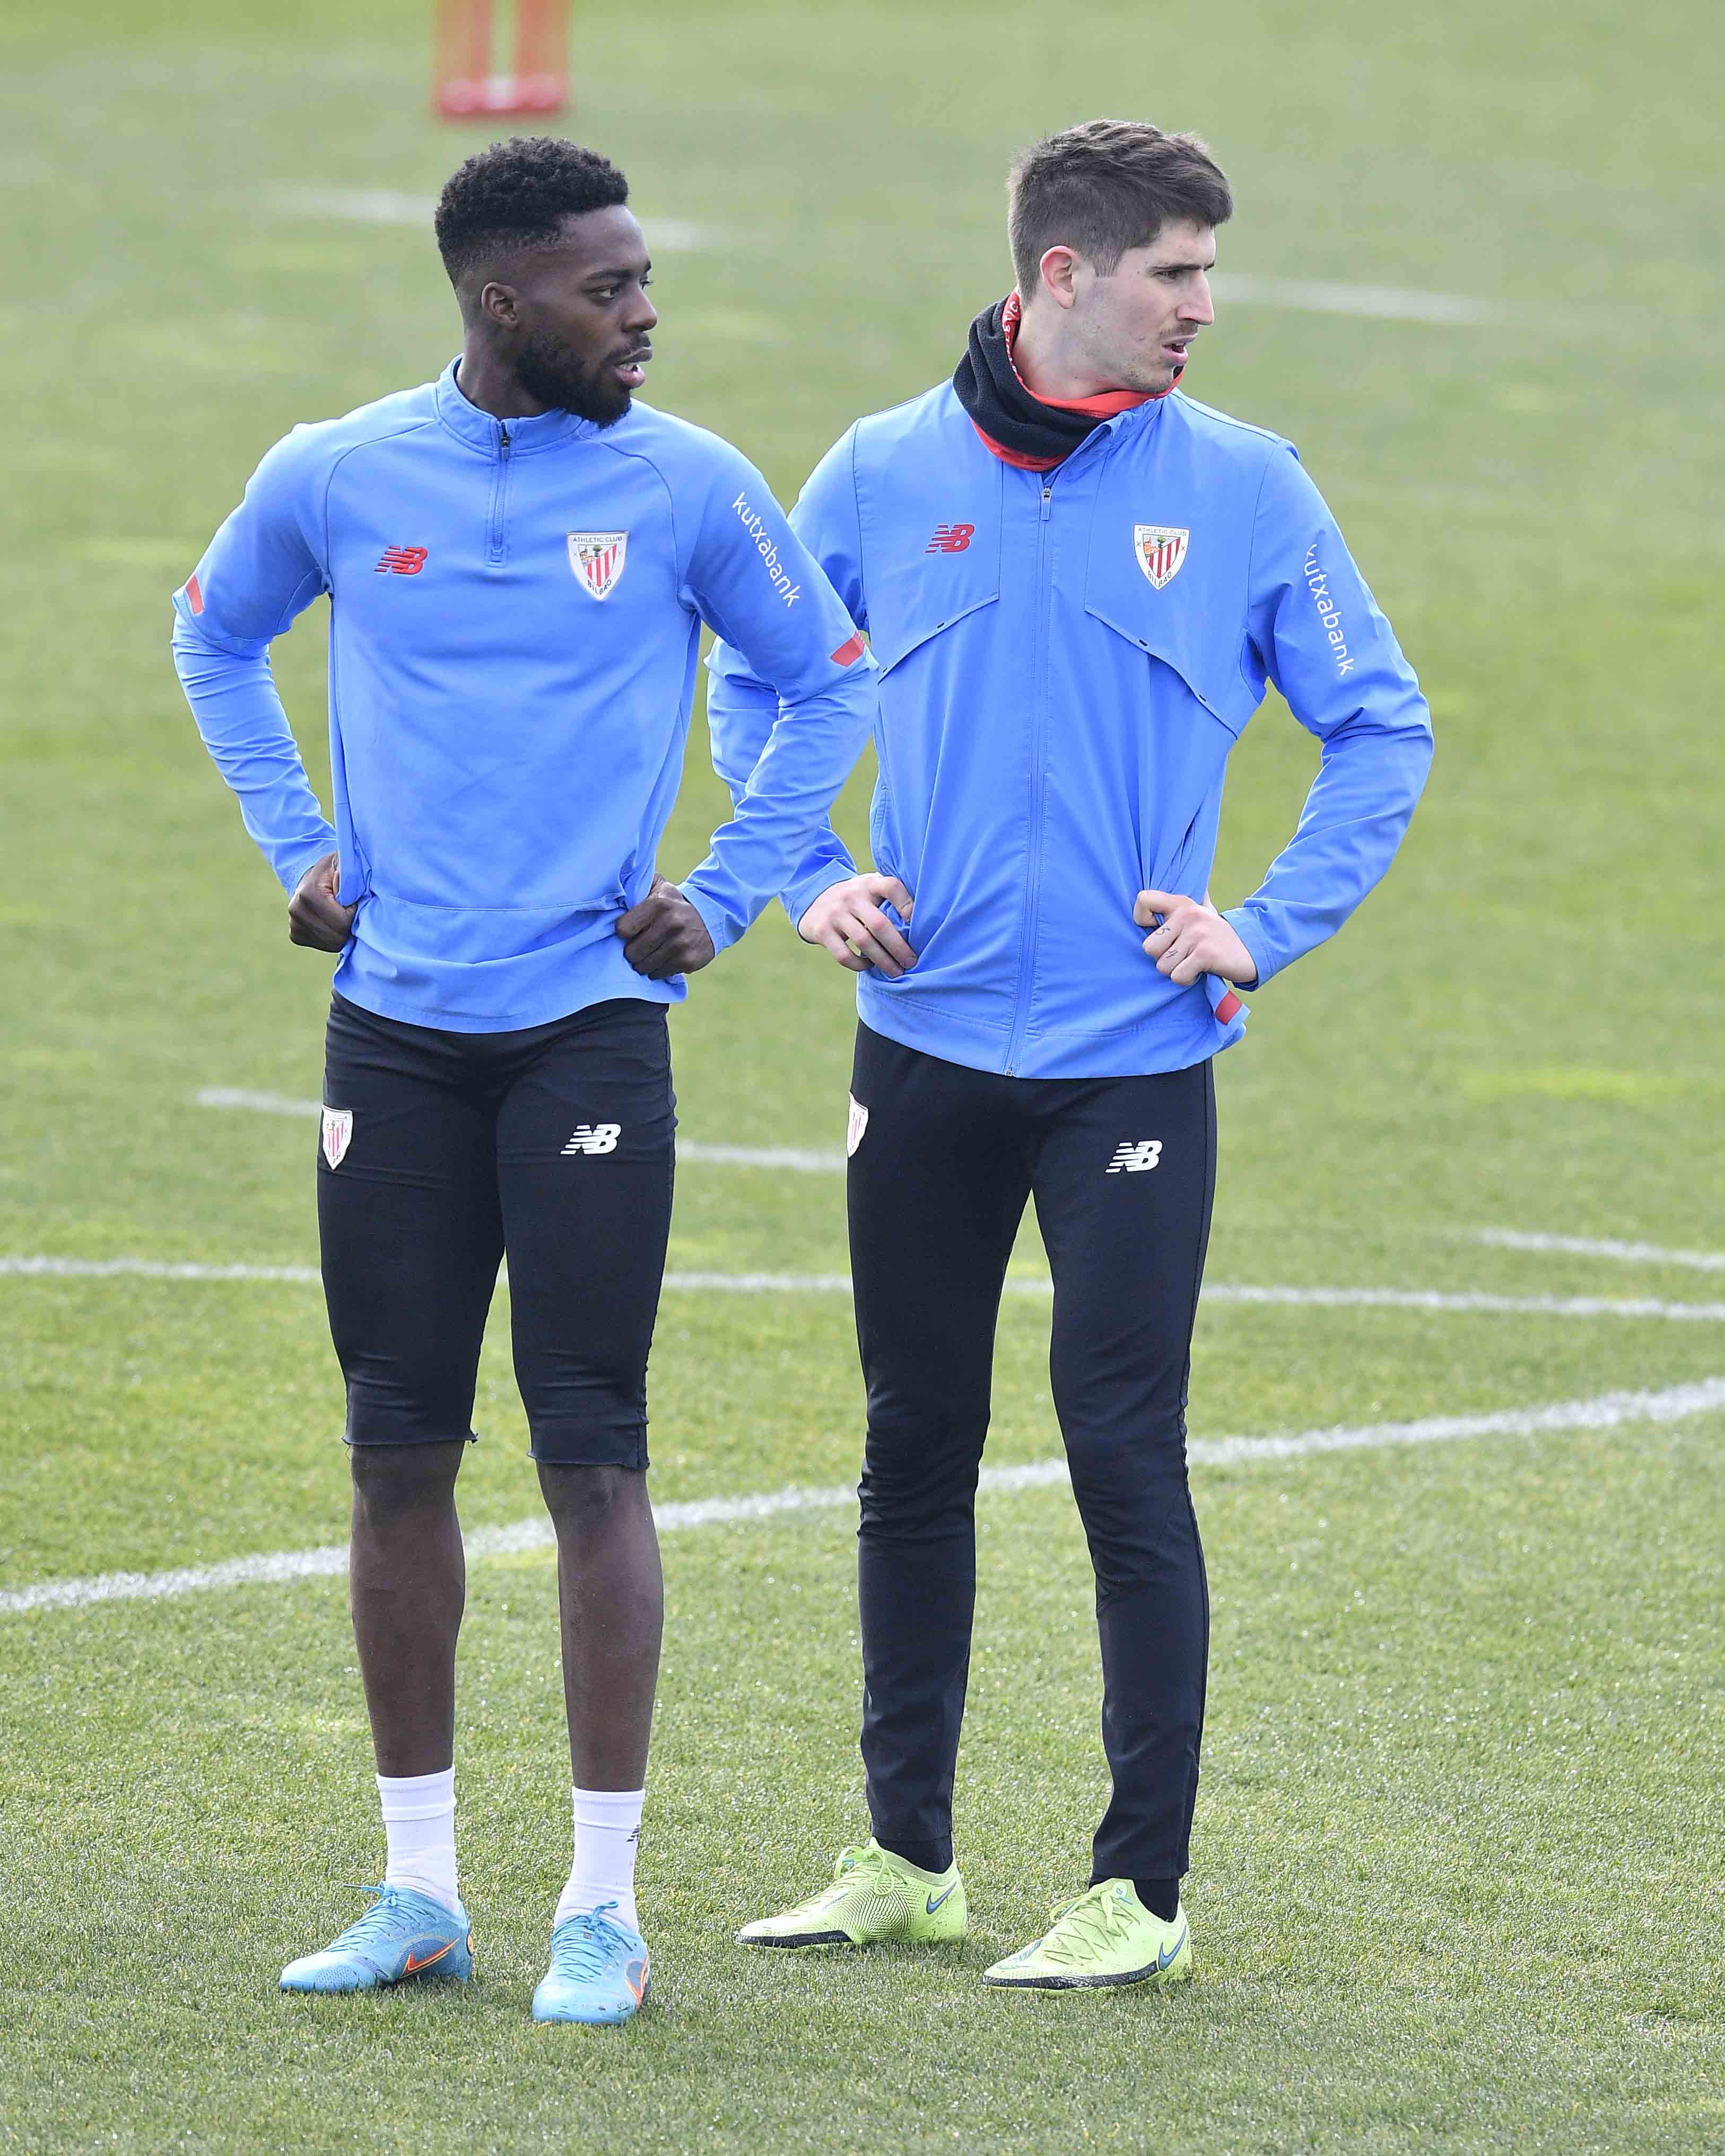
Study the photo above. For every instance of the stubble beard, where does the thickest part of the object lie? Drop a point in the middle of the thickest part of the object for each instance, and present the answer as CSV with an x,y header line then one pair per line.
x,y
551,372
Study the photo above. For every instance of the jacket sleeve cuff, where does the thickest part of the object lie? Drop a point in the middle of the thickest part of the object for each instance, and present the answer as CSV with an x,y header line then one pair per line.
x,y
797,900
716,921
294,866
1250,928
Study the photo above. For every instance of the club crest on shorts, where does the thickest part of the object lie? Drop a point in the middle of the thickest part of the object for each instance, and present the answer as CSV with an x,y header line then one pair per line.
x,y
1160,549
858,1124
597,557
337,1134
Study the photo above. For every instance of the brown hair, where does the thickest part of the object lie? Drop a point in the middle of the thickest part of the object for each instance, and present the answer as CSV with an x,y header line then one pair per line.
x,y
1106,186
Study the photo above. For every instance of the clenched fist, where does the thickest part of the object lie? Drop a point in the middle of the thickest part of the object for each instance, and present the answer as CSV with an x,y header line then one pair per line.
x,y
665,935
314,918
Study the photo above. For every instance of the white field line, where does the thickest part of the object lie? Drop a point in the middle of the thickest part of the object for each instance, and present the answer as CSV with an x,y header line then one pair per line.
x,y
714,1283
1393,303
794,1158
1588,1246
1605,1411
153,1269
667,235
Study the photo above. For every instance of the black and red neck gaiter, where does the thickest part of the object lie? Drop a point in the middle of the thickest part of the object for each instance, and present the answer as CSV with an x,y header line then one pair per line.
x,y
1031,432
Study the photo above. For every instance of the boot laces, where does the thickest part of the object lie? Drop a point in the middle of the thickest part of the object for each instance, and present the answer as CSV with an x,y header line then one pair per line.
x,y
1086,1925
584,1946
377,1925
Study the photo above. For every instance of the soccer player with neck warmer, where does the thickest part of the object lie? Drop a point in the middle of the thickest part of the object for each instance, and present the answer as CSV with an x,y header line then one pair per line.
x,y
1076,583
518,558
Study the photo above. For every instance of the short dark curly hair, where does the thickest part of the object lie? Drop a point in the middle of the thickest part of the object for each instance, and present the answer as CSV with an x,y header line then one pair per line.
x,y
516,194
1106,186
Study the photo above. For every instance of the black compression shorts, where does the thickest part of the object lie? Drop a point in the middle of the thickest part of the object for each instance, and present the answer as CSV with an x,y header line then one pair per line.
x,y
439,1151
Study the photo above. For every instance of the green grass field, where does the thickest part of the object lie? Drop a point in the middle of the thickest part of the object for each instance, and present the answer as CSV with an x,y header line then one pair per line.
x,y
1458,1872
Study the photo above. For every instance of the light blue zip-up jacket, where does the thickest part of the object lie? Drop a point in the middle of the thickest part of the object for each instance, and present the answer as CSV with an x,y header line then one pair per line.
x,y
515,609
1065,660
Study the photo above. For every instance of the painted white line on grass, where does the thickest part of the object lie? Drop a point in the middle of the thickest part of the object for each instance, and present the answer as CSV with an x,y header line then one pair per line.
x,y
1515,1305
1588,1246
718,1283
262,1104
154,1268
1605,1411
797,1158
667,235
1393,303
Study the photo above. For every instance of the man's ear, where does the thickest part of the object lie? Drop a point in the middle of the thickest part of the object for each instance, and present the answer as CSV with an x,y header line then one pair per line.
x,y
498,303
1055,272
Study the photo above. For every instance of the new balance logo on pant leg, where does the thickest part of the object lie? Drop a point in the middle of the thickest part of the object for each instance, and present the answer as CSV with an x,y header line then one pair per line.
x,y
594,1137
1135,1157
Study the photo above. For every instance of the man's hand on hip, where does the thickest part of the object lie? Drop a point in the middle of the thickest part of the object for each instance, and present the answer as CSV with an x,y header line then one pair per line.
x,y
1191,940
314,918
846,919
664,934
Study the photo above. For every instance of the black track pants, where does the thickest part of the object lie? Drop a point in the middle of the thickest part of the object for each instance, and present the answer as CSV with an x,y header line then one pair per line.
x,y
556,1142
1122,1171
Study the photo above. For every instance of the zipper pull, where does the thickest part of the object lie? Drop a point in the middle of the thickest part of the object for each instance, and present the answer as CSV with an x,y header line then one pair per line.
x,y
503,438
1047,497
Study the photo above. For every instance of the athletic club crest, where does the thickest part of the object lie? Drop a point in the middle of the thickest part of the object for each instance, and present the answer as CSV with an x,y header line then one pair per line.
x,y
337,1134
1160,549
597,557
853,1129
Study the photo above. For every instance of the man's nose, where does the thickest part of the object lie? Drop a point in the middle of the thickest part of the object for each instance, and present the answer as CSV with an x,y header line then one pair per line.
x,y
643,315
1196,307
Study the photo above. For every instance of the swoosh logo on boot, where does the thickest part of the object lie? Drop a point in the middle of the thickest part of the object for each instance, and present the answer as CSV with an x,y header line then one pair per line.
x,y
412,1966
935,1900
1166,1960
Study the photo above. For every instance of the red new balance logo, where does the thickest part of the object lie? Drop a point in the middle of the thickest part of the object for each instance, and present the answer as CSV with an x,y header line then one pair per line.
x,y
403,561
949,539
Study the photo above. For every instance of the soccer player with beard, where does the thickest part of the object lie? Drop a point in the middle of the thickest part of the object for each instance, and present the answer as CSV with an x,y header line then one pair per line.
x,y
518,559
1077,583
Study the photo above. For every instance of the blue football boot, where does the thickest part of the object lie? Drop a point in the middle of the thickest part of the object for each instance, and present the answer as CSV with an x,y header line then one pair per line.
x,y
599,1970
402,1935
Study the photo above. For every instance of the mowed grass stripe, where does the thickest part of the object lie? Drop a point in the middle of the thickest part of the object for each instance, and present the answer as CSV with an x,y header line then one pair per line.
x,y
1604,1411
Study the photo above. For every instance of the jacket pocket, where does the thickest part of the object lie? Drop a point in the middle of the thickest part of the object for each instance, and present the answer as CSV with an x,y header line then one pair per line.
x,y
1197,633
916,601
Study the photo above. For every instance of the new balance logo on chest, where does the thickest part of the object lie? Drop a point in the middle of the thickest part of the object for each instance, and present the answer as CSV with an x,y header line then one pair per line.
x,y
594,1137
1134,1156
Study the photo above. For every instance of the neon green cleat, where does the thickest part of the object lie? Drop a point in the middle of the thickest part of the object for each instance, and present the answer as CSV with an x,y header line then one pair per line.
x,y
1107,1936
874,1896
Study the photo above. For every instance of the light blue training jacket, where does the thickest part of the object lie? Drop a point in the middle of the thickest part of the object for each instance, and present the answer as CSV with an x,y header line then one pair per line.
x,y
1065,660
515,609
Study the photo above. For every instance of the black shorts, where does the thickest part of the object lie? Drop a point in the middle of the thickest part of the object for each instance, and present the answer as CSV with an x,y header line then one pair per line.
x,y
438,1152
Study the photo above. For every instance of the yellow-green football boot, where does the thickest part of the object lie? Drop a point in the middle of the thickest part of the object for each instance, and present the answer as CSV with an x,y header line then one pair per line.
x,y
873,1895
1105,1936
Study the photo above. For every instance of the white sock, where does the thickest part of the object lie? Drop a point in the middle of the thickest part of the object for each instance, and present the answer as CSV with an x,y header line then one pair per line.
x,y
419,1823
607,1824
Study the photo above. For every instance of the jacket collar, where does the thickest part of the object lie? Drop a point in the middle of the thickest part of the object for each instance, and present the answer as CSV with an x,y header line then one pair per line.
x,y
548,430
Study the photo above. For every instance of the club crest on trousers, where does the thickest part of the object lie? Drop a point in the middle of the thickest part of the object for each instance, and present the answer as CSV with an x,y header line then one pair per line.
x,y
1160,549
597,557
853,1129
337,1134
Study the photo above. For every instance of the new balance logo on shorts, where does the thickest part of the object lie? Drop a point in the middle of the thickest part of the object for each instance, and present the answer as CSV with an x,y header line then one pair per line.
x,y
594,1137
1135,1157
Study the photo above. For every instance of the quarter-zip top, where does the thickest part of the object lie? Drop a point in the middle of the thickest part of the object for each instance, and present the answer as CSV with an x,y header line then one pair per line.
x,y
1066,660
497,549
516,610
